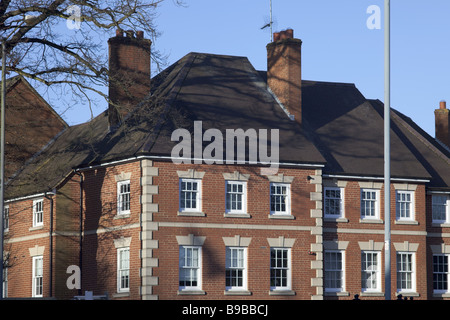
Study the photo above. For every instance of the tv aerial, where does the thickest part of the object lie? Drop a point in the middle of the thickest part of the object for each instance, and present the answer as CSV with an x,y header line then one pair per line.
x,y
269,24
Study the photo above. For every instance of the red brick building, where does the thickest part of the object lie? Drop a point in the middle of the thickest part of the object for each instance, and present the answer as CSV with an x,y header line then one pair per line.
x,y
156,199
26,108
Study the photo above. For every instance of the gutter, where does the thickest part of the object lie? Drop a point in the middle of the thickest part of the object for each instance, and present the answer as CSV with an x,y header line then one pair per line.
x,y
180,159
337,176
80,257
50,281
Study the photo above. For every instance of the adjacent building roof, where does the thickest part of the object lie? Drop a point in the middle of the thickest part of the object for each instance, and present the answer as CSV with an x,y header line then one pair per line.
x,y
341,129
25,108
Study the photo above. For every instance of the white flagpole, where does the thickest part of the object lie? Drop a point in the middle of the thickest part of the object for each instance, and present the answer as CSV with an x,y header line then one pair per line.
x,y
2,162
387,150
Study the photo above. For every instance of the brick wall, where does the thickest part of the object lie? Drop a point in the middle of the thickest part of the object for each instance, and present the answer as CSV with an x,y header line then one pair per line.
x,y
102,226
353,230
19,239
103,230
214,226
25,108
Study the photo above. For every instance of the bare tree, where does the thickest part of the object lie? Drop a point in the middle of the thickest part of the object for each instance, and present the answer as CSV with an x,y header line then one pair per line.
x,y
61,43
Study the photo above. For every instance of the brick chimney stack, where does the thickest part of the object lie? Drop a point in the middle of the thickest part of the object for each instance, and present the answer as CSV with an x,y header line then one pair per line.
x,y
129,73
442,118
284,76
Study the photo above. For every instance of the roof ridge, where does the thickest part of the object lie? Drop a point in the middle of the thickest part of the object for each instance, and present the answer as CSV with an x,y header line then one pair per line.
x,y
420,136
331,83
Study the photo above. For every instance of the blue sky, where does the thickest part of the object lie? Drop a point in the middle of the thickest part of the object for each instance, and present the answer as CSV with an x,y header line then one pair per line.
x,y
337,44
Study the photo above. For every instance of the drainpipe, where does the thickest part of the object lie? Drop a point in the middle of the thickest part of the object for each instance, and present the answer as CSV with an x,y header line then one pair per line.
x,y
80,261
51,242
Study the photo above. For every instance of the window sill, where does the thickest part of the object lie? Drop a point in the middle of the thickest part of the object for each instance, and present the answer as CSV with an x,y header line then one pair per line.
x,y
408,222
36,228
190,292
191,214
408,294
237,215
336,294
121,295
371,294
331,219
441,294
122,215
375,221
281,293
237,293
281,216
440,224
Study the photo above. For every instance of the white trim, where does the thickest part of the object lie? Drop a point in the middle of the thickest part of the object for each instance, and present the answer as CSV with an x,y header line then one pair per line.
x,y
377,204
35,222
244,269
438,192
119,282
243,199
377,272
413,272
441,291
37,195
288,271
196,159
373,178
446,208
288,211
33,276
119,210
342,203
412,205
343,267
199,269
198,195
111,163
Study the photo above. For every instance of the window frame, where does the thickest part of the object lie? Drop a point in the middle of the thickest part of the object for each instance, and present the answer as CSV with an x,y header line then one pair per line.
x,y
341,203
288,269
6,218
242,268
120,200
5,278
37,214
243,196
286,212
445,273
198,196
376,201
198,269
411,217
37,277
446,206
121,269
376,271
412,272
330,289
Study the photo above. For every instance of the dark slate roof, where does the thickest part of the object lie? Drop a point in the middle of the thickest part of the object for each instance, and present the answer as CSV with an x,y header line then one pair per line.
x,y
341,129
349,131
432,155
224,92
